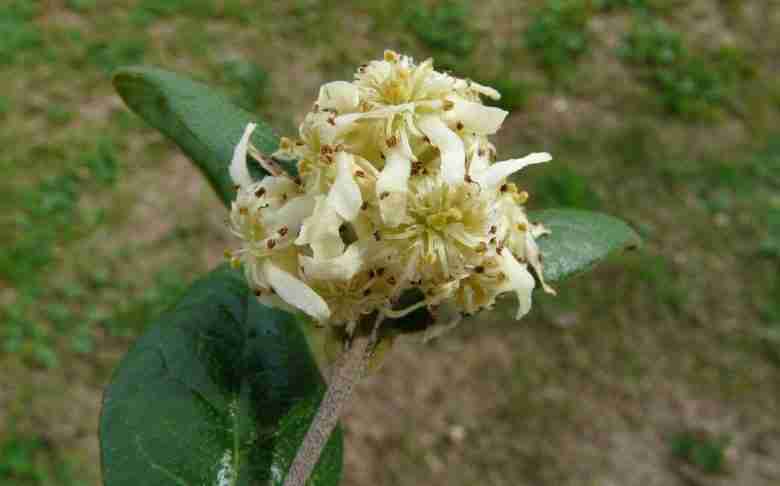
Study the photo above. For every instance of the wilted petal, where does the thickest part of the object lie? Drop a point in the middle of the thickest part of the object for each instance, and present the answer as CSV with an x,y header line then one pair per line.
x,y
344,195
476,117
499,171
343,267
239,172
339,95
453,155
295,292
520,280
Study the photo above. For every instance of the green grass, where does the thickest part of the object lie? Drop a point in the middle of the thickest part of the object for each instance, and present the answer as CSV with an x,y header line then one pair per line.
x,y
706,453
515,93
30,461
770,245
565,188
445,29
608,5
147,12
687,84
557,36
251,80
110,54
19,34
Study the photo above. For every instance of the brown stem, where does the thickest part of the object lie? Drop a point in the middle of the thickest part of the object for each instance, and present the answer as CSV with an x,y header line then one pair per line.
x,y
345,374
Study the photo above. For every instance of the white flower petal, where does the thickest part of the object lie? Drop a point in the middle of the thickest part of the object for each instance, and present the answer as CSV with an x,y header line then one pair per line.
x,y
339,95
420,75
392,186
538,229
342,267
453,154
295,292
520,280
321,231
395,174
476,117
392,183
478,163
496,173
485,90
379,113
405,148
239,171
292,214
343,124
344,195
438,84
275,186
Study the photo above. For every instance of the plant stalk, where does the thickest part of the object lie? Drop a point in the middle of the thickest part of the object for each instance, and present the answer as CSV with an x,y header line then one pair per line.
x,y
345,373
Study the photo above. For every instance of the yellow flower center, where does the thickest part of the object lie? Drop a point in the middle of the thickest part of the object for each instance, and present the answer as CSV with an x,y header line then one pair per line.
x,y
439,221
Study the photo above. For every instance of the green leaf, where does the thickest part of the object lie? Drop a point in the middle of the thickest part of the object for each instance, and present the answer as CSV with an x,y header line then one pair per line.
x,y
204,123
220,383
579,240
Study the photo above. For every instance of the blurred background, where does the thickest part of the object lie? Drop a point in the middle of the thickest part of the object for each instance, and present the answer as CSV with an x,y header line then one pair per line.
x,y
660,368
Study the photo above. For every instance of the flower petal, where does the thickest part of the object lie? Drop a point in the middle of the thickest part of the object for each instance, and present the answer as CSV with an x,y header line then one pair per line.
x,y
405,148
275,186
343,124
342,267
344,195
453,154
239,172
485,90
476,117
520,280
339,95
479,162
321,231
392,183
295,292
496,173
292,214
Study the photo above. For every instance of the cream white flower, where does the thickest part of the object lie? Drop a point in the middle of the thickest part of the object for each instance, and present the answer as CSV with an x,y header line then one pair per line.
x,y
398,190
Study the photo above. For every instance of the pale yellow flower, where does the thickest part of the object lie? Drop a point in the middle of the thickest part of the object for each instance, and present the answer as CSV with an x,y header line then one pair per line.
x,y
398,190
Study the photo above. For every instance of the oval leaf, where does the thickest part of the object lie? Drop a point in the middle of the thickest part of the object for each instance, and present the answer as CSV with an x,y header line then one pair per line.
x,y
579,240
220,391
203,122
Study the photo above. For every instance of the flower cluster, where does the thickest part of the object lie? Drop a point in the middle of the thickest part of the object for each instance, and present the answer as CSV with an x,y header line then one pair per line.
x,y
397,188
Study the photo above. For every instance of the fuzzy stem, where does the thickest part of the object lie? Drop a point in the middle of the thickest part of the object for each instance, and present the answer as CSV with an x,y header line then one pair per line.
x,y
344,375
